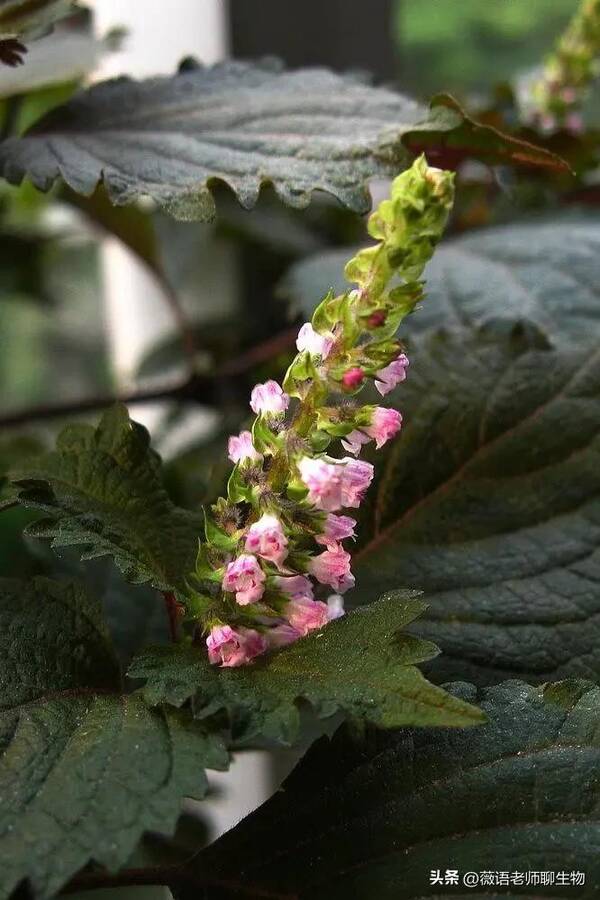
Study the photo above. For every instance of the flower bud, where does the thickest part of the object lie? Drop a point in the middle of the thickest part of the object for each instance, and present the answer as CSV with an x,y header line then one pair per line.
x,y
353,378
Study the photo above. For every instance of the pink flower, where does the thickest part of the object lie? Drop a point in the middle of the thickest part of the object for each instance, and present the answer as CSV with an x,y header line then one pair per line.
x,y
333,567
354,441
268,398
241,448
324,482
387,379
281,636
357,477
245,577
295,587
306,615
335,606
353,378
266,539
316,344
385,424
336,529
234,647
334,484
574,123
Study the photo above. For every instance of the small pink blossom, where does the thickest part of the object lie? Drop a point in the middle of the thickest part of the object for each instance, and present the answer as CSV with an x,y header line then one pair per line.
x,y
234,647
306,615
336,529
385,424
281,636
316,344
269,398
266,538
335,606
241,448
355,440
324,482
295,587
574,123
245,578
333,567
387,379
568,94
358,475
353,378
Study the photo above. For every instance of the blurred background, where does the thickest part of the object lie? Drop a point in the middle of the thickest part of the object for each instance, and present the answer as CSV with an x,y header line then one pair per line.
x,y
83,314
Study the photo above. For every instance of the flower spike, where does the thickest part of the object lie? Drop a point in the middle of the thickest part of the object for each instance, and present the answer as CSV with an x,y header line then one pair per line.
x,y
273,550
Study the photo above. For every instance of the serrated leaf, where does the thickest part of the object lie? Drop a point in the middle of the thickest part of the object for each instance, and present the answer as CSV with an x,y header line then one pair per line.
x,y
373,819
246,124
84,772
101,489
359,665
545,271
489,502
85,776
52,638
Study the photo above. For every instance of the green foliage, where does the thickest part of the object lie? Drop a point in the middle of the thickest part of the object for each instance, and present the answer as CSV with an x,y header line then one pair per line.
x,y
101,489
373,818
489,503
545,271
299,131
83,771
74,648
359,665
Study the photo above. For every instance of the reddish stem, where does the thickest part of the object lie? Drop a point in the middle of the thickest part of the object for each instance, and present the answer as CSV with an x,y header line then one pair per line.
x,y
172,613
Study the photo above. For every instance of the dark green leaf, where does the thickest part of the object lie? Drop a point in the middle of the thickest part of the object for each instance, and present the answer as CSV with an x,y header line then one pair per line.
x,y
52,638
84,772
371,820
359,665
101,489
547,272
85,777
488,502
246,124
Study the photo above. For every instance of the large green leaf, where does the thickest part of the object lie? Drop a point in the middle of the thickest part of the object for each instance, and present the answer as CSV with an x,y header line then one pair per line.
x,y
359,665
70,645
372,820
101,489
84,772
489,502
246,124
546,271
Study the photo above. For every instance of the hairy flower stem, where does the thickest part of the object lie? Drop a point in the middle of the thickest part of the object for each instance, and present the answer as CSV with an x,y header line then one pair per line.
x,y
274,548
